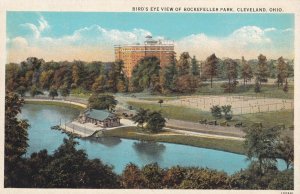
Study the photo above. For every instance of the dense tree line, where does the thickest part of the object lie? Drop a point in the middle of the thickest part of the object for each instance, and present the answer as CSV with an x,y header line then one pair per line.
x,y
69,167
35,75
183,75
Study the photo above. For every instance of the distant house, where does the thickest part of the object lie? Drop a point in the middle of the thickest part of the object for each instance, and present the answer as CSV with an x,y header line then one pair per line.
x,y
100,118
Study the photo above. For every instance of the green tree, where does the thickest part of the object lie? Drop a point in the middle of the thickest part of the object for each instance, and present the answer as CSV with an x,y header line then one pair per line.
x,y
257,86
62,74
64,91
210,67
132,177
185,84
146,74
93,70
141,117
262,72
227,112
102,101
12,73
78,74
70,168
31,68
184,64
261,145
15,130
282,181
286,86
99,84
35,91
185,81
231,67
282,71
204,179
16,137
216,111
286,150
53,92
122,80
195,67
160,101
21,90
246,71
155,122
153,175
168,77
173,177
46,79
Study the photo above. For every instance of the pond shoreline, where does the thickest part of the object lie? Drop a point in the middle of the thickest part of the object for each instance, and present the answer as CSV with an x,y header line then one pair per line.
x,y
227,145
230,146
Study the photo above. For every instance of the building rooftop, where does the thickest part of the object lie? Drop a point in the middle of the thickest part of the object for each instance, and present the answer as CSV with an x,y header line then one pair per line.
x,y
149,42
98,114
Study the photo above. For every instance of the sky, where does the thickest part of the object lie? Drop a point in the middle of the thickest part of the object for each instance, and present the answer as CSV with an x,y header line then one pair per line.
x,y
90,36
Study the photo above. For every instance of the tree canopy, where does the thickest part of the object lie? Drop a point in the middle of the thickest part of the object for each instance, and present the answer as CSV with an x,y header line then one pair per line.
x,y
102,101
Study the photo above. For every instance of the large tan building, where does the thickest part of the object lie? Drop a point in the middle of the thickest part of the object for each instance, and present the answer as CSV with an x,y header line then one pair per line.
x,y
131,54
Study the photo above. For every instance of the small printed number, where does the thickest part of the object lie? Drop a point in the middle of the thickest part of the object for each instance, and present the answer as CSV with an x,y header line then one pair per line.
x,y
286,192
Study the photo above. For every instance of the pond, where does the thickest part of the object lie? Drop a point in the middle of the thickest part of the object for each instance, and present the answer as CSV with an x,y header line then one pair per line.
x,y
119,152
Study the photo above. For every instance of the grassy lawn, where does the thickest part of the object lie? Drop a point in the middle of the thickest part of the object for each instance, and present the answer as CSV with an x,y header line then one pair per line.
x,y
268,119
174,112
269,91
234,146
56,104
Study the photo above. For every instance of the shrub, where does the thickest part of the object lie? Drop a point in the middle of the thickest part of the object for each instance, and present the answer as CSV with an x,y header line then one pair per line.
x,y
216,111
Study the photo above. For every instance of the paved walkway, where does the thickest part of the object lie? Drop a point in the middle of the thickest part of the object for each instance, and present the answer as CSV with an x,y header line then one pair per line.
x,y
205,135
208,129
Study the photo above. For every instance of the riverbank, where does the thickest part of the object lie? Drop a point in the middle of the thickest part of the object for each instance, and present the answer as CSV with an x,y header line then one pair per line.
x,y
228,145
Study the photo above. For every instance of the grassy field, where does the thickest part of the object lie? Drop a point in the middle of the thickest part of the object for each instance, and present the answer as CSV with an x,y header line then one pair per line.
x,y
55,103
269,91
233,146
174,112
268,119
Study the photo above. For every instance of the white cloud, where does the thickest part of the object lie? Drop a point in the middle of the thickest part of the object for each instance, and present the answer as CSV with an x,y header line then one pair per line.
x,y
37,29
19,42
43,24
287,30
270,29
248,41
96,43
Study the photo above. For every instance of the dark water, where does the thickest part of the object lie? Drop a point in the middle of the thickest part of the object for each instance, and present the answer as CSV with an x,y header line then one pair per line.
x,y
119,152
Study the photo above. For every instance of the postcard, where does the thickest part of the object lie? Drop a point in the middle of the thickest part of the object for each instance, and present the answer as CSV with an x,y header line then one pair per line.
x,y
150,96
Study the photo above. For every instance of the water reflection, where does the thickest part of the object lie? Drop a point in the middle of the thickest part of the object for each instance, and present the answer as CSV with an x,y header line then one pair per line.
x,y
119,152
107,141
149,150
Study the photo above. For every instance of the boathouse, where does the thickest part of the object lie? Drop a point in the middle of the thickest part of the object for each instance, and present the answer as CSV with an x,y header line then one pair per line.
x,y
101,118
